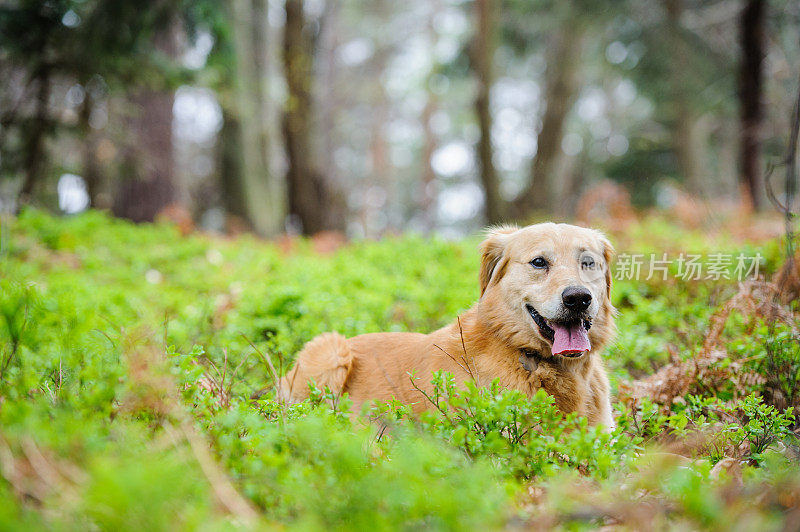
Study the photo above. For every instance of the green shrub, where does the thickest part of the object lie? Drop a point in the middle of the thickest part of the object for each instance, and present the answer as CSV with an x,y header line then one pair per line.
x,y
526,437
119,340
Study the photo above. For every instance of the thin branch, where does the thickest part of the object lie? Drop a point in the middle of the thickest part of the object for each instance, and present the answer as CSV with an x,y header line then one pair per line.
x,y
466,370
264,358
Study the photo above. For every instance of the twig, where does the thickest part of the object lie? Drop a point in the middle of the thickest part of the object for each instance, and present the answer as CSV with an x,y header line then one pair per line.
x,y
166,327
464,347
466,370
790,161
428,397
263,357
224,490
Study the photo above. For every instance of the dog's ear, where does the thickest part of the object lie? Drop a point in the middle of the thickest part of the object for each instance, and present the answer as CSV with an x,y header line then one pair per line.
x,y
608,254
492,252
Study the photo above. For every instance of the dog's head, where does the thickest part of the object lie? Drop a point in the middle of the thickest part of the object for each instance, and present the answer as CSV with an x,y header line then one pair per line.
x,y
546,288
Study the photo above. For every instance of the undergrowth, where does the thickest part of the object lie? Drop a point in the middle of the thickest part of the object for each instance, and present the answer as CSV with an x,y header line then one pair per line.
x,y
135,393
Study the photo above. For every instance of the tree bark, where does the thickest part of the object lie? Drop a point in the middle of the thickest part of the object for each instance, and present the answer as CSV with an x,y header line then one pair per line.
x,y
149,184
428,189
751,28
310,197
261,193
260,27
562,83
230,168
34,145
92,174
483,46
330,98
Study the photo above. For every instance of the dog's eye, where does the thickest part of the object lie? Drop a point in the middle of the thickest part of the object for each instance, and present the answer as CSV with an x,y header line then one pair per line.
x,y
587,263
539,263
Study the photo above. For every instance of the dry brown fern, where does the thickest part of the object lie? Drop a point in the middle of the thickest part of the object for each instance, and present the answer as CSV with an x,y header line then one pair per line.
x,y
704,373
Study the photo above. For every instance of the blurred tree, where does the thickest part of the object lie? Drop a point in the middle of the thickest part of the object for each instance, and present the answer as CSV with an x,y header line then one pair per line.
x,y
29,36
385,100
75,42
482,57
681,59
259,195
243,210
561,88
686,133
428,190
311,200
752,42
147,184
93,174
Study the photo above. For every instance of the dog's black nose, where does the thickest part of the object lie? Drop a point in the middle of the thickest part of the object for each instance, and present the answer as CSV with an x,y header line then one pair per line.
x,y
576,298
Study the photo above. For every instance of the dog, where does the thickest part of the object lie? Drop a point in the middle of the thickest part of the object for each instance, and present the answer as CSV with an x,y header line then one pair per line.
x,y
543,316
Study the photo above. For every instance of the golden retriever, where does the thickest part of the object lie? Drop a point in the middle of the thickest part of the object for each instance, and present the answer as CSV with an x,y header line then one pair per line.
x,y
542,319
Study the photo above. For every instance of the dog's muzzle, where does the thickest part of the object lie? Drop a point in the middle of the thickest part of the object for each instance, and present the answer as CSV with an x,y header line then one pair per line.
x,y
569,337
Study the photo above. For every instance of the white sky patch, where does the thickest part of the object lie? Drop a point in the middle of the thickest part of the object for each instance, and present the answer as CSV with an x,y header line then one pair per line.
x,y
314,8
446,49
505,160
408,68
197,116
451,21
99,117
600,128
616,53
522,94
524,145
509,118
591,105
402,131
515,105
625,93
460,202
196,56
617,145
71,19
452,159
357,51
75,95
72,194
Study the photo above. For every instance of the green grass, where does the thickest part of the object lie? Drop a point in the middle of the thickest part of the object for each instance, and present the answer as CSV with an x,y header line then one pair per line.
x,y
130,353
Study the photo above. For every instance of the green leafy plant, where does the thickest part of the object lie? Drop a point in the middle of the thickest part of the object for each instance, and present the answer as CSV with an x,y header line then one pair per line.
x,y
140,394
528,437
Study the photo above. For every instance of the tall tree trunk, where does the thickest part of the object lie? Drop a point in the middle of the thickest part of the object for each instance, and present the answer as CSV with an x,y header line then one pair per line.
x,y
309,195
483,46
330,99
34,157
149,184
428,189
686,131
230,170
751,27
261,193
381,169
562,82
260,27
92,175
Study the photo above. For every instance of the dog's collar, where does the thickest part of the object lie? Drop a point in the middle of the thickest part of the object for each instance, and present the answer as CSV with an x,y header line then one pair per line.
x,y
530,359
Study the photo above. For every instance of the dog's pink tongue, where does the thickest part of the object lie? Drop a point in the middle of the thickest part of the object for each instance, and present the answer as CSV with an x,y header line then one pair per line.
x,y
570,338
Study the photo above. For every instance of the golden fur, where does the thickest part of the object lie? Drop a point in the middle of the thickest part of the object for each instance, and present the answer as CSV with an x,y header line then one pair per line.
x,y
496,332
